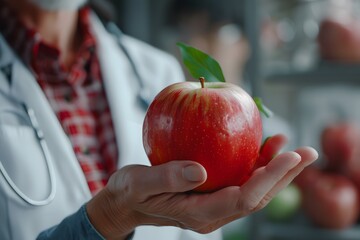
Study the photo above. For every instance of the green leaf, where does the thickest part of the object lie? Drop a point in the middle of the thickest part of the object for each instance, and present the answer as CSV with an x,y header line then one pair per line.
x,y
262,108
199,64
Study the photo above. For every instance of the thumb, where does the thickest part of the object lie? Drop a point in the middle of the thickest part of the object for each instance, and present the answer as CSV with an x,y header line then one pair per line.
x,y
174,176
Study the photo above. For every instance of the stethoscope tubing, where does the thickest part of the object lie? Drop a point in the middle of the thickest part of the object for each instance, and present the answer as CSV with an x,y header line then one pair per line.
x,y
31,117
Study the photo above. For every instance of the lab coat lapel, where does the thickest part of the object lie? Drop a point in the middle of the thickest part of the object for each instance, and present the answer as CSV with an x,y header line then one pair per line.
x,y
117,75
25,88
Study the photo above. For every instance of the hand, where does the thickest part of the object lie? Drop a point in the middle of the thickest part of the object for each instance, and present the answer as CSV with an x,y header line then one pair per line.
x,y
139,195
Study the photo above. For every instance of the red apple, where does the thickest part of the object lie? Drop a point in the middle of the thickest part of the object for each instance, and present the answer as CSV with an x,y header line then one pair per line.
x,y
330,200
307,177
341,146
215,124
339,41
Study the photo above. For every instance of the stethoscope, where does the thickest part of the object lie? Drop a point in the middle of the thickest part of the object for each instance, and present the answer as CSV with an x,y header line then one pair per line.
x,y
143,100
31,118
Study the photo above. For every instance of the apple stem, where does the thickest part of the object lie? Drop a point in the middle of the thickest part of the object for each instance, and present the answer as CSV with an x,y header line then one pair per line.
x,y
202,81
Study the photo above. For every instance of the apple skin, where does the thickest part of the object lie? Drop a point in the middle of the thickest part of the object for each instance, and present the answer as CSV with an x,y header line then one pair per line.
x,y
218,126
330,200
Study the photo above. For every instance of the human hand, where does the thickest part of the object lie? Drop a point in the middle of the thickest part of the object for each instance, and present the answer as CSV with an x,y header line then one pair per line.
x,y
139,195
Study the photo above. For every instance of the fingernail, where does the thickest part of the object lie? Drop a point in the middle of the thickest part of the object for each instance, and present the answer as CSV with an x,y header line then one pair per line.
x,y
194,173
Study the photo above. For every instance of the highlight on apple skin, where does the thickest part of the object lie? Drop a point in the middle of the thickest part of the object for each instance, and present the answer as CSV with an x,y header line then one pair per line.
x,y
216,124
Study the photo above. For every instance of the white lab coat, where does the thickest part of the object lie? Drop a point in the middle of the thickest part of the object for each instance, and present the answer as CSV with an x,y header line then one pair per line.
x,y
21,155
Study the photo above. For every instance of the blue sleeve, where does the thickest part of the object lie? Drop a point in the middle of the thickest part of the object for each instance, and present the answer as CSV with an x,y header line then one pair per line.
x,y
76,226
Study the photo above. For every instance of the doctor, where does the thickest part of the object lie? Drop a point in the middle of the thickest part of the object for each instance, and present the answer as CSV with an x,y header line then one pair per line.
x,y
71,159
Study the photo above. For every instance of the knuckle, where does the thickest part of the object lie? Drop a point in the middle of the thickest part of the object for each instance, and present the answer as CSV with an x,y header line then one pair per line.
x,y
169,178
126,188
128,184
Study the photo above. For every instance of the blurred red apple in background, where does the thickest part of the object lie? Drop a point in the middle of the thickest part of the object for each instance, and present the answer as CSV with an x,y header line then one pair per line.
x,y
307,177
330,200
216,124
339,41
341,145
331,193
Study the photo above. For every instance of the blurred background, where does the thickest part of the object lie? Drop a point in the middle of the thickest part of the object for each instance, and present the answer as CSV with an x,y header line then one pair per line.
x,y
302,58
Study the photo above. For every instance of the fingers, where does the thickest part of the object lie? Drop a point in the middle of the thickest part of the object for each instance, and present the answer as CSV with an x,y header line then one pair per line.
x,y
265,183
265,178
204,212
270,148
308,156
242,200
171,177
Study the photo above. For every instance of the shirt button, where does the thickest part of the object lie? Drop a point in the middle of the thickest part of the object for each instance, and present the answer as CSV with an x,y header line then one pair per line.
x,y
85,150
68,97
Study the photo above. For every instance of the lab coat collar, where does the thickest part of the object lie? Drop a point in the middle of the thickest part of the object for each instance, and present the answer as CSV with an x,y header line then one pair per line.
x,y
117,76
22,87
115,70
6,64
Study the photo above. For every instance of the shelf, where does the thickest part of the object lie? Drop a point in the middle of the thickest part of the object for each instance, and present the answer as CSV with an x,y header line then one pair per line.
x,y
325,73
293,232
299,229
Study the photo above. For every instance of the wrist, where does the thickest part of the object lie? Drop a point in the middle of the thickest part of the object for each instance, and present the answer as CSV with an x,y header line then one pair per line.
x,y
112,219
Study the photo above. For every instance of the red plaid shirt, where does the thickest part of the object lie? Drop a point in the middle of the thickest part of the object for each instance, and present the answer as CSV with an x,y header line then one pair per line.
x,y
76,94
